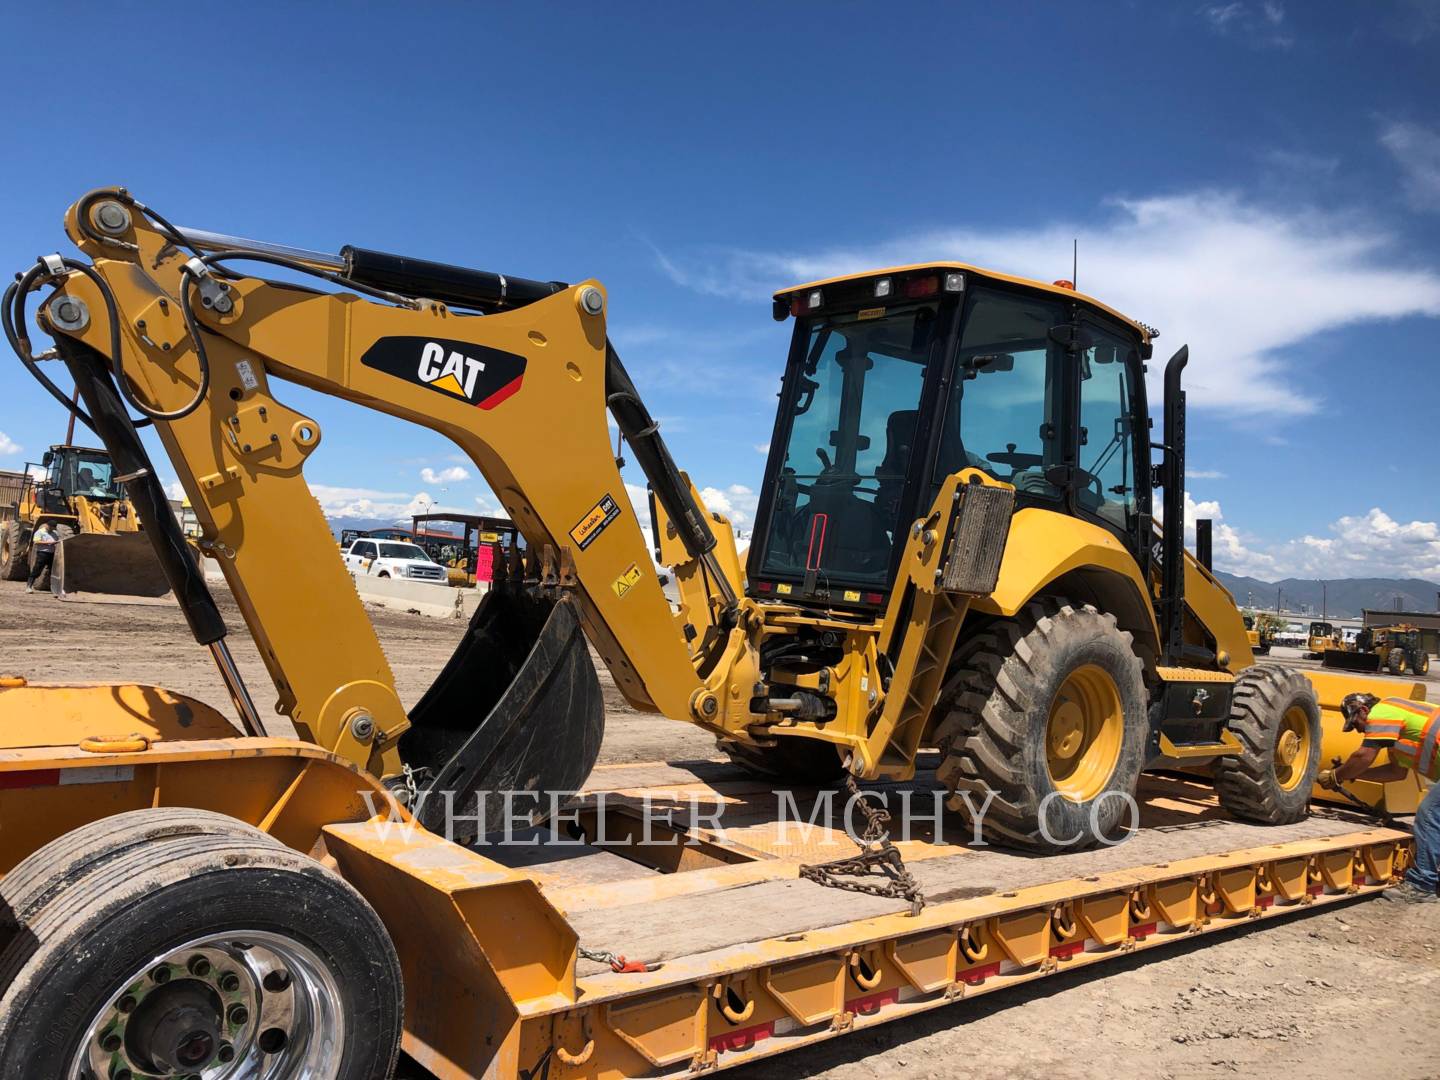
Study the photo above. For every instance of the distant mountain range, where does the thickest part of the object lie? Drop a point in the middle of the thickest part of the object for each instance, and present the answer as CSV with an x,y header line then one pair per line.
x,y
1342,597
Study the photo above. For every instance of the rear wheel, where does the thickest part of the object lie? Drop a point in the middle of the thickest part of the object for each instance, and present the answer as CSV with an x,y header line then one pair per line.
x,y
1422,664
14,558
1276,716
1047,711
792,759
1395,663
198,956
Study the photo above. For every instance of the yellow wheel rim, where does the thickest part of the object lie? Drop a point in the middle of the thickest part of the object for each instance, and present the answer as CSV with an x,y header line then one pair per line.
x,y
1292,748
1084,734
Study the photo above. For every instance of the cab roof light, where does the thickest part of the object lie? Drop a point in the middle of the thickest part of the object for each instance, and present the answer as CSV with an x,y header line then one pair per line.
x,y
1064,283
922,286
882,288
815,299
954,282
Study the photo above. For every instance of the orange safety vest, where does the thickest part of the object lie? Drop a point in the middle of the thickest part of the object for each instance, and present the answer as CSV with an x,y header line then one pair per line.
x,y
1410,731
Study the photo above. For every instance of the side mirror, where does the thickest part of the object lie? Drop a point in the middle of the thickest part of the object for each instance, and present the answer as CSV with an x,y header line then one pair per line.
x,y
48,458
1070,337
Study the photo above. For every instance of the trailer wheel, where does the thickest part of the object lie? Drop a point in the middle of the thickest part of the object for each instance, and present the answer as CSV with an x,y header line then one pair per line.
x,y
795,760
14,558
1276,716
1048,711
1395,663
202,955
67,859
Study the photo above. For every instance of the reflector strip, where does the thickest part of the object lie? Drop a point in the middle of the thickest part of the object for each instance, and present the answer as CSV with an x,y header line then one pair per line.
x,y
1264,901
29,778
872,1003
1064,952
1144,930
99,774
980,974
817,544
743,1039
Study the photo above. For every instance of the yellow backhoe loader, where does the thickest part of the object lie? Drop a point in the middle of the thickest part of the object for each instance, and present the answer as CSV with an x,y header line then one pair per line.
x,y
101,551
954,549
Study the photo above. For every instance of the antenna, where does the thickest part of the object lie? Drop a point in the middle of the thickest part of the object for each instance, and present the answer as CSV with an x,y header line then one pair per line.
x,y
1075,263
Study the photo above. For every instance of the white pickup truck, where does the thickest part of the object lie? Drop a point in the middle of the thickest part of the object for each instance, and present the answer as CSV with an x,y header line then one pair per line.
x,y
393,559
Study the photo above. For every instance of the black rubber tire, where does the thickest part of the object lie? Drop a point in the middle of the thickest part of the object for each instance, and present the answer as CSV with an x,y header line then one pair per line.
x,y
793,760
14,555
155,897
1002,685
1395,662
1423,666
68,859
1246,783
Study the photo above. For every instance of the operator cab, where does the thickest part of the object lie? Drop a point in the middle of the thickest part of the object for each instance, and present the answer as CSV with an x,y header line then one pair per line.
x,y
71,471
898,378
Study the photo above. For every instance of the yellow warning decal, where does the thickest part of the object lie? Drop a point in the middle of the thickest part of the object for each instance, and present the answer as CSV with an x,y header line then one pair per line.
x,y
852,595
871,313
783,589
626,581
594,522
489,538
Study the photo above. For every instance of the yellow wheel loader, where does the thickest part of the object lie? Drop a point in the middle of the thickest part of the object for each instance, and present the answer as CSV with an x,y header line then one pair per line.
x,y
956,562
101,550
1399,650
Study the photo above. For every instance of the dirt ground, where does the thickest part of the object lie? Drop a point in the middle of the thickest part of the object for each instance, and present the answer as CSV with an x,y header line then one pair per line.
x,y
1352,989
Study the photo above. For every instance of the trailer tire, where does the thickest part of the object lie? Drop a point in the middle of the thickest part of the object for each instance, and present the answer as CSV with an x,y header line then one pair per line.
x,y
1276,715
14,556
66,860
1395,662
1048,711
793,759
289,951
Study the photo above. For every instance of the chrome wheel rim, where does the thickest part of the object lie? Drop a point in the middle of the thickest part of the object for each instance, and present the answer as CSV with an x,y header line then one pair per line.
x,y
242,1005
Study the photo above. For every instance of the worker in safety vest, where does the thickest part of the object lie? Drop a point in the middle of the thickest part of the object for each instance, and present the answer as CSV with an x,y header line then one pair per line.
x,y
1409,731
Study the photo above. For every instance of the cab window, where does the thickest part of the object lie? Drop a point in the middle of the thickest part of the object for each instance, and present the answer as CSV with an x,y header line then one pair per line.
x,y
1108,435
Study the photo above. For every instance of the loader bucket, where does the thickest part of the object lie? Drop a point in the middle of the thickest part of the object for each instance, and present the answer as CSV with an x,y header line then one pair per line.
x,y
1331,687
1349,661
115,567
517,709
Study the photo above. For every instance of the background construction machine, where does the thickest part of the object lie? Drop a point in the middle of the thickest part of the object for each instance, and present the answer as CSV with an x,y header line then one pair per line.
x,y
101,548
955,548
1396,649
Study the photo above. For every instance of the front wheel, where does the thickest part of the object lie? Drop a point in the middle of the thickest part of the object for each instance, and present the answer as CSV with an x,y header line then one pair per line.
x,y
14,565
203,955
1396,663
1276,715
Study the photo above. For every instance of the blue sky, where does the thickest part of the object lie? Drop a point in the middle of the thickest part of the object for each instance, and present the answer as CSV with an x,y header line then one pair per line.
x,y
1261,180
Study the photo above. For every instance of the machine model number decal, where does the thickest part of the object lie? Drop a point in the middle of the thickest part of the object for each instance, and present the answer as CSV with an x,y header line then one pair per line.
x,y
595,521
626,581
246,371
482,376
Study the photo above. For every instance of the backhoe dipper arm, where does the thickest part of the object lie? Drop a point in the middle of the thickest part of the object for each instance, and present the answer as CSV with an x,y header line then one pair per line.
x,y
522,390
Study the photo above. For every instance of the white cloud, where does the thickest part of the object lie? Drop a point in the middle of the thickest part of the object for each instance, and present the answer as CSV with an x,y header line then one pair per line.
x,y
370,503
8,445
1258,25
737,503
1239,282
1416,150
1204,474
491,507
452,475
174,491
762,448
1372,544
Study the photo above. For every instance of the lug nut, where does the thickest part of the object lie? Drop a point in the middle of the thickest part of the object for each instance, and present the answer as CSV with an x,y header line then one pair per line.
x,y
110,1042
230,982
238,1015
225,1054
160,976
199,966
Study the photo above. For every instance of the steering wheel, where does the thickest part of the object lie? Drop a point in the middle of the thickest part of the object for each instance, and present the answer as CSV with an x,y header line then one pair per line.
x,y
1016,461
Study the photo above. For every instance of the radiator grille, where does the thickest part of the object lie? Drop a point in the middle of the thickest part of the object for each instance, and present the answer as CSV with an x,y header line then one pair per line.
x,y
982,525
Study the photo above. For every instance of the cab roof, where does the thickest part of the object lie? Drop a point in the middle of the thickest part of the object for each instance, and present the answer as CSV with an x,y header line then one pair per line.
x,y
1145,332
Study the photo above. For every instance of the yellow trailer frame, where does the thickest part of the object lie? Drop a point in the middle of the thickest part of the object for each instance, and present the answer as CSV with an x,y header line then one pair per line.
x,y
496,982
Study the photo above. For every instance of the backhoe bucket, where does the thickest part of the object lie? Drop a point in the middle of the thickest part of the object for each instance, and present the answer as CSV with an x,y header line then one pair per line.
x,y
116,567
517,710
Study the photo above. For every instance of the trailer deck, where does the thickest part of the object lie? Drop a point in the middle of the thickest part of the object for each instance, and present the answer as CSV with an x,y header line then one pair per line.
x,y
748,959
